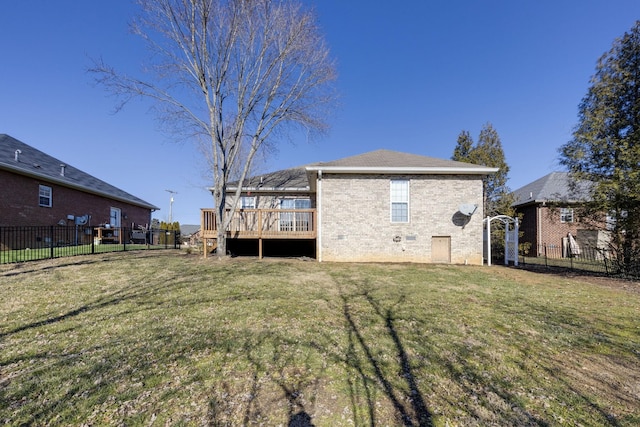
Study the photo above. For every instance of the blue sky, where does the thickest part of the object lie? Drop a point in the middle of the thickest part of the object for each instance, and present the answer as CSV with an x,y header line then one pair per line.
x,y
412,76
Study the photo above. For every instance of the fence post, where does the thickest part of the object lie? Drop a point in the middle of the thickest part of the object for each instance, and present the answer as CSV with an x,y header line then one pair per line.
x,y
51,242
93,241
123,236
570,252
546,263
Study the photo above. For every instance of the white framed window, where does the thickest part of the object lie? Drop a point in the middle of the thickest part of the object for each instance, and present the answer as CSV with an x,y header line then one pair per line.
x,y
295,203
566,215
295,221
247,202
399,200
115,217
45,196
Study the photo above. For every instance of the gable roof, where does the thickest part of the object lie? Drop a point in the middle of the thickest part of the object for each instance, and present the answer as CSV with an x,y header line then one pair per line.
x,y
554,187
302,179
387,161
20,158
187,230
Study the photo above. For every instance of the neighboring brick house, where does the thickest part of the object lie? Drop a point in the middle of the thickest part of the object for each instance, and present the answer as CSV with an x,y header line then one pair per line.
x,y
39,190
190,234
381,206
549,215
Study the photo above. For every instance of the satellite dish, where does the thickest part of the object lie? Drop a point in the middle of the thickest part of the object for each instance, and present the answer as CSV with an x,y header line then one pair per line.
x,y
82,220
467,209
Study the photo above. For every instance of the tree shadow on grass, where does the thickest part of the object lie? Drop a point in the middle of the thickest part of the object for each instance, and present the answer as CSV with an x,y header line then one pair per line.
x,y
478,393
84,370
37,266
387,359
102,302
371,371
278,385
40,265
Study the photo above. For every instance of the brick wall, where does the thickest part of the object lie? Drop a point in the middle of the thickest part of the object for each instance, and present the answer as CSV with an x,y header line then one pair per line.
x,y
19,204
355,223
552,230
541,226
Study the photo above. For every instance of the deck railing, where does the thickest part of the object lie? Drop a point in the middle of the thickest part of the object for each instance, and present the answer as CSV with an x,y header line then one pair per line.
x,y
263,223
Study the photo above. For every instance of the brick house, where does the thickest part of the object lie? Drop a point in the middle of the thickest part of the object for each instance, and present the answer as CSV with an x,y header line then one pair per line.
x,y
548,206
39,190
381,206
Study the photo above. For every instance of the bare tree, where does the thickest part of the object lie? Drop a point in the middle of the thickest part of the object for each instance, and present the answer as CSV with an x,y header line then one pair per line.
x,y
240,74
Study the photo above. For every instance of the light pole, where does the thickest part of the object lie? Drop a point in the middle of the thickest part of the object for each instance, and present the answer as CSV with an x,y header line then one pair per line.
x,y
171,204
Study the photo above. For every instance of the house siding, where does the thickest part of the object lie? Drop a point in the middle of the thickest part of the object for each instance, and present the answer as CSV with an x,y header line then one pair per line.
x,y
19,204
271,200
356,224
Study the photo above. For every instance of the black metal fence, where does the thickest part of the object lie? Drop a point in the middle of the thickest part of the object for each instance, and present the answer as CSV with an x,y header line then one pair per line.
x,y
19,244
587,259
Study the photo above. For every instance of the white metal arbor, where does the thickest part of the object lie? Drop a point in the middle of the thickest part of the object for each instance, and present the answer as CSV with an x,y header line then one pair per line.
x,y
510,238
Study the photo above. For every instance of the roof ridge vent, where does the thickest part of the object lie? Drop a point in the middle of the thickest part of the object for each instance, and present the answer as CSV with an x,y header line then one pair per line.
x,y
17,154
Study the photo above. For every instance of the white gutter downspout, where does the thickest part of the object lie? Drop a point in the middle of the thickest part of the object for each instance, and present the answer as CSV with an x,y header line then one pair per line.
x,y
319,216
538,231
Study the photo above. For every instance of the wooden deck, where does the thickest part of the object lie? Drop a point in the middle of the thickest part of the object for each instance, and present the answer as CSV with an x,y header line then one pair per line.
x,y
262,224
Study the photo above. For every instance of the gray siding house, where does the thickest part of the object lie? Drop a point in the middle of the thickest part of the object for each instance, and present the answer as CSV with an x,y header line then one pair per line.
x,y
381,206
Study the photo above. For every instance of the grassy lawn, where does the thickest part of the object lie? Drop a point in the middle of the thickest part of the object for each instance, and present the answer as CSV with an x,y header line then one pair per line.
x,y
165,338
23,255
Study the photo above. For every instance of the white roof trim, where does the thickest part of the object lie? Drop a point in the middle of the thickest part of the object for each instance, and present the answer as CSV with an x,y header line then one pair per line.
x,y
481,170
266,189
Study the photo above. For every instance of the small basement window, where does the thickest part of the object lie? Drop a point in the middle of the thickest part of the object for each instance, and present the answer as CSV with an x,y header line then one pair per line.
x,y
45,196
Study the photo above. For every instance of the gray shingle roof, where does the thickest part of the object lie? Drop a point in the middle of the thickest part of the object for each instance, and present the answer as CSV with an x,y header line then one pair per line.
x,y
553,187
35,163
294,179
189,229
379,161
395,159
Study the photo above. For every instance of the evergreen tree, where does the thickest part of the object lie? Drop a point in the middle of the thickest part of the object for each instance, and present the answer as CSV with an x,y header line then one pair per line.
x,y
605,148
463,149
488,152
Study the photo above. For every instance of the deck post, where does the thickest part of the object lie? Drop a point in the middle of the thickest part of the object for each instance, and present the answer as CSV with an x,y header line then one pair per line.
x,y
260,227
